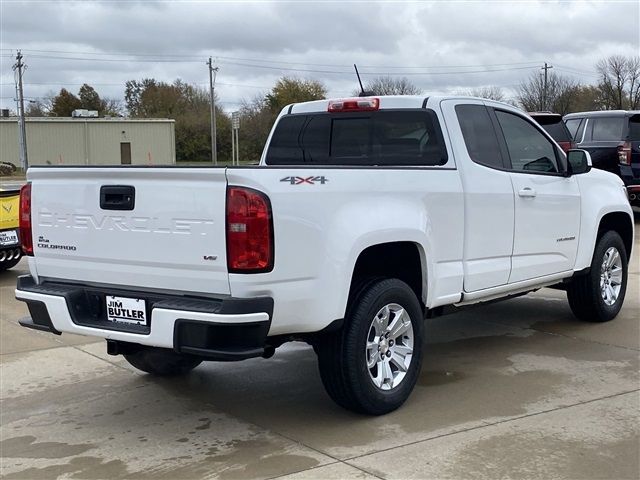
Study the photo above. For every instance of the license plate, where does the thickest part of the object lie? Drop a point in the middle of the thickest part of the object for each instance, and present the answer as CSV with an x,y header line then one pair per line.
x,y
8,237
126,310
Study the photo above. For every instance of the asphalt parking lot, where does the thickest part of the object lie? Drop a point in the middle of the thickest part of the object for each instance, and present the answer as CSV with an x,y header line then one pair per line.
x,y
515,389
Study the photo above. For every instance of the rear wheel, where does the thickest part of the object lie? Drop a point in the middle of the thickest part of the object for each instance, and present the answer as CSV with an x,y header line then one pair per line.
x,y
598,296
372,364
162,362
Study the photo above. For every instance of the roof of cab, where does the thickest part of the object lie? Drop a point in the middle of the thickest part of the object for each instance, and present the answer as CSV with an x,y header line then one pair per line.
x,y
386,102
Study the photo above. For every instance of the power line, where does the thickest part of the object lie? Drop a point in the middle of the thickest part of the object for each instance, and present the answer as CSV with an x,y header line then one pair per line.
x,y
576,71
305,70
180,57
230,61
122,83
461,72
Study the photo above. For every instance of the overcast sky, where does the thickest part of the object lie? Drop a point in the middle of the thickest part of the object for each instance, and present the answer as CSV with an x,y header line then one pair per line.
x,y
441,46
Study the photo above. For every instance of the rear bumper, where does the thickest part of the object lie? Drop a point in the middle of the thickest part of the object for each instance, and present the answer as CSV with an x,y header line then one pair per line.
x,y
216,328
10,252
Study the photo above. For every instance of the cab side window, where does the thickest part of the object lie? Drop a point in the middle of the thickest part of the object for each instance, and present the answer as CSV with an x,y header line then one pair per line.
x,y
530,151
479,135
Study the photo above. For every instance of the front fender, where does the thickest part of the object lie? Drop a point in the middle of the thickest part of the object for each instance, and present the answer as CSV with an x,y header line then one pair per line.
x,y
598,187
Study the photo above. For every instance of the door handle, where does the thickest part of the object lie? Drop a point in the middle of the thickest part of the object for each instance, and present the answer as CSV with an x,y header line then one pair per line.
x,y
117,197
527,192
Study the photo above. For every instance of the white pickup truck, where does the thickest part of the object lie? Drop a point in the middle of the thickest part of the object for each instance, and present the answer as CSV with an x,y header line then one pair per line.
x,y
365,216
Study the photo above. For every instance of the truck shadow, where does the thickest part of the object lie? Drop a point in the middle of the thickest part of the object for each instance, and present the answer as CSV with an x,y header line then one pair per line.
x,y
479,366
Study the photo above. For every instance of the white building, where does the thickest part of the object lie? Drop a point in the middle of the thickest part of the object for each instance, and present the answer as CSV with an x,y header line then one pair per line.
x,y
90,141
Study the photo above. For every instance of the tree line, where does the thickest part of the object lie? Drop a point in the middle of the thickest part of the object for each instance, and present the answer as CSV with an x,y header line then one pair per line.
x,y
618,87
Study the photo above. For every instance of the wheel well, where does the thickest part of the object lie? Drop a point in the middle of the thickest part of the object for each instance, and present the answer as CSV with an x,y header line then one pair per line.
x,y
399,260
618,222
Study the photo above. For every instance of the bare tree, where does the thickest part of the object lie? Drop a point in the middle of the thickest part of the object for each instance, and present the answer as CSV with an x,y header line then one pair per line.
x,y
111,107
557,97
390,86
490,92
619,82
37,108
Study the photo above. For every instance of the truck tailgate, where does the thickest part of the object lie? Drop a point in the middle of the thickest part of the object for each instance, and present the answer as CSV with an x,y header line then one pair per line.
x,y
172,239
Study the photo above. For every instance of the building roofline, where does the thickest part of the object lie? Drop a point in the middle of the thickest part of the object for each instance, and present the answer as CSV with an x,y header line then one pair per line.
x,y
87,119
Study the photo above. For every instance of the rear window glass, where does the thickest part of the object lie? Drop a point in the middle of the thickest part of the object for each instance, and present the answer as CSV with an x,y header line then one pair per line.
x,y
391,137
634,128
557,130
607,128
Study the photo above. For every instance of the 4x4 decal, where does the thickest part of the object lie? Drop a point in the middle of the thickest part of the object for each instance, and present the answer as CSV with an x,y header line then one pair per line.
x,y
300,180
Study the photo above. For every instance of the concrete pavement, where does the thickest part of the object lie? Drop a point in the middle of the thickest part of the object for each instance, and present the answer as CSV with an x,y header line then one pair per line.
x,y
517,389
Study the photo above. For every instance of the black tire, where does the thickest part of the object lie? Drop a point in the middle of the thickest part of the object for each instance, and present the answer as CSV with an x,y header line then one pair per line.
x,y
342,359
583,293
162,362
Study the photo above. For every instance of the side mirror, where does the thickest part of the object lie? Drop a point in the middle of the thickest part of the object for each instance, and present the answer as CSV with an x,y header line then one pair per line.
x,y
578,161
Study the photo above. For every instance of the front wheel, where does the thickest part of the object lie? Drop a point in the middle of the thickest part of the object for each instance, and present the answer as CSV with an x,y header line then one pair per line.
x,y
162,362
598,295
373,363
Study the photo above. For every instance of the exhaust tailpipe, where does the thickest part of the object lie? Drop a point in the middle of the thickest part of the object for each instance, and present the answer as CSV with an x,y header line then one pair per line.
x,y
3,256
632,196
9,255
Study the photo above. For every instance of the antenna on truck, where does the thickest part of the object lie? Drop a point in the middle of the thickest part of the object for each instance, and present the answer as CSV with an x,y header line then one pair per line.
x,y
362,92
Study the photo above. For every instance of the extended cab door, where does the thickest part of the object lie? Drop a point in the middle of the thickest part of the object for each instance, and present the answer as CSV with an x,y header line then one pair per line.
x,y
488,195
547,203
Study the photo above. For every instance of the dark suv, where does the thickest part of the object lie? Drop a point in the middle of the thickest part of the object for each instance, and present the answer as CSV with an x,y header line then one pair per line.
x,y
613,139
554,126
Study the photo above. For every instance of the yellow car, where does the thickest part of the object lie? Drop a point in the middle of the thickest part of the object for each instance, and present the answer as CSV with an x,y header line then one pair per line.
x,y
10,251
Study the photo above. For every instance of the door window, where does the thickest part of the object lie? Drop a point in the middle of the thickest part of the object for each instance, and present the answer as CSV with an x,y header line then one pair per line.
x,y
530,151
607,128
479,135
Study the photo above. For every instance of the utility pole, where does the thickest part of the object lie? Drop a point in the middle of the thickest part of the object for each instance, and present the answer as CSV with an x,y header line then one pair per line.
x,y
235,144
19,67
212,84
545,91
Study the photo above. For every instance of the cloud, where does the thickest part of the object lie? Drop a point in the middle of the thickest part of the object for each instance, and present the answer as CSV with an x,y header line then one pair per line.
x,y
463,44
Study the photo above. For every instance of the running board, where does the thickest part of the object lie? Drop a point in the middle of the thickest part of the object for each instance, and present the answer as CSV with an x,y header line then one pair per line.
x,y
469,298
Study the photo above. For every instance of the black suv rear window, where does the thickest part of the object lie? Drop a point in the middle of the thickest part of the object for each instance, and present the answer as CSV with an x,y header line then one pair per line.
x,y
386,137
557,131
554,126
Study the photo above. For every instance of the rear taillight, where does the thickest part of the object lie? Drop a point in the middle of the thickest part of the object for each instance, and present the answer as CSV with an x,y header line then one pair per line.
x,y
566,146
26,237
249,231
354,105
624,153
